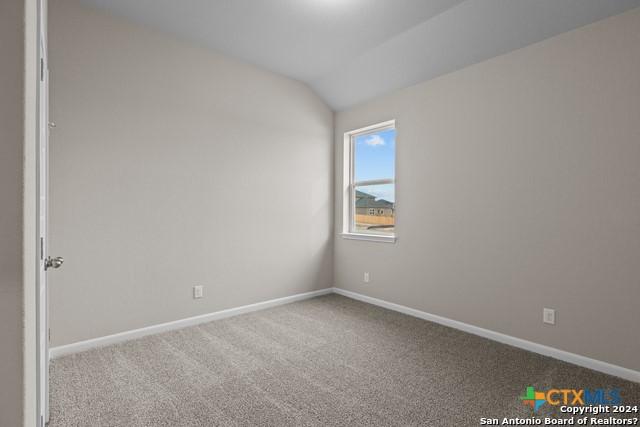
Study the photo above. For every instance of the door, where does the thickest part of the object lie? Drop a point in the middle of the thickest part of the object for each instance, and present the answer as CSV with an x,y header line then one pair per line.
x,y
45,262
42,191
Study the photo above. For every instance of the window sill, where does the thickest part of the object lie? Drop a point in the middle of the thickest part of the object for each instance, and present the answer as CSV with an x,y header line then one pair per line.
x,y
369,237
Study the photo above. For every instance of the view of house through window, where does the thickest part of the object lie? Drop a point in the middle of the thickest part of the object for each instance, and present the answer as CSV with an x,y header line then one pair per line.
x,y
372,186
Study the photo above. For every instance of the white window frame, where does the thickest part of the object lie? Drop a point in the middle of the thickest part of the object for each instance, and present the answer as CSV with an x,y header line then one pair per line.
x,y
349,185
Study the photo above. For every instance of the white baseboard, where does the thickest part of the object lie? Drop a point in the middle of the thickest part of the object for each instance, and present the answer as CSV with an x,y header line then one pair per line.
x,y
555,353
77,347
576,359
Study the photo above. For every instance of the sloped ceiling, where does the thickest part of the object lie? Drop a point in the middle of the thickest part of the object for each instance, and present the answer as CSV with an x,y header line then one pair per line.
x,y
350,51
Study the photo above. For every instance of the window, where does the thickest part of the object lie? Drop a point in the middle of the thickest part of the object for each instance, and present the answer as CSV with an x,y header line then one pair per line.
x,y
369,177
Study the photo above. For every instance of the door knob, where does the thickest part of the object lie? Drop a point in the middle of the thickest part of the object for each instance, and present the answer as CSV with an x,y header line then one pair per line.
x,y
53,262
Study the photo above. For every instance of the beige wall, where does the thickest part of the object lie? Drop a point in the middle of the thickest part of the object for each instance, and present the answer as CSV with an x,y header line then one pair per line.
x,y
161,151
11,151
518,188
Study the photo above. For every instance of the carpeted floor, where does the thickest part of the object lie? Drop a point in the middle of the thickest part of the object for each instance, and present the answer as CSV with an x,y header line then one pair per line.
x,y
328,361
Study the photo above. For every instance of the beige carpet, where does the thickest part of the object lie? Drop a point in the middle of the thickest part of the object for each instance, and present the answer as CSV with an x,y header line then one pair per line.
x,y
329,361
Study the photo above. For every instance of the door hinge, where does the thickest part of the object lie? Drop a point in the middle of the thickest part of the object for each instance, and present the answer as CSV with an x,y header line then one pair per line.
x,y
49,337
41,69
41,248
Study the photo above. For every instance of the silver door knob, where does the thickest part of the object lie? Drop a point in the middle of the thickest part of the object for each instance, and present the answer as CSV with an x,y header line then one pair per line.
x,y
53,262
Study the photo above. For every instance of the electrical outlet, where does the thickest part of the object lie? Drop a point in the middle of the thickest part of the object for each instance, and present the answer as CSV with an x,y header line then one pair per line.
x,y
366,277
549,316
197,292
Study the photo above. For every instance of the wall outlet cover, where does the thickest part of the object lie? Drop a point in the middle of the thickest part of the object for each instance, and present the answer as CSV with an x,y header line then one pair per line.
x,y
197,292
549,316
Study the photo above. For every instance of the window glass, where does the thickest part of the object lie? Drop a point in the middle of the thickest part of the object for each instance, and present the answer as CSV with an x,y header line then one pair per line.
x,y
372,190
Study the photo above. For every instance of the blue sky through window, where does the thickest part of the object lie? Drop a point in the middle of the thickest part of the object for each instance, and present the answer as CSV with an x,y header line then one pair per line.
x,y
374,158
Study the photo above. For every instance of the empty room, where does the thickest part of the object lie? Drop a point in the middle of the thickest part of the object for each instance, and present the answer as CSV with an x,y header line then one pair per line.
x,y
319,213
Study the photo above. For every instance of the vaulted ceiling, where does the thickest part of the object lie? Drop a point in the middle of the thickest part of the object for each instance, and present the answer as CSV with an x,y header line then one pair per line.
x,y
350,51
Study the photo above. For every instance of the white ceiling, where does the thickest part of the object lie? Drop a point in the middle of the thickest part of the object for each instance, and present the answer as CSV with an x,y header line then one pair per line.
x,y
350,51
